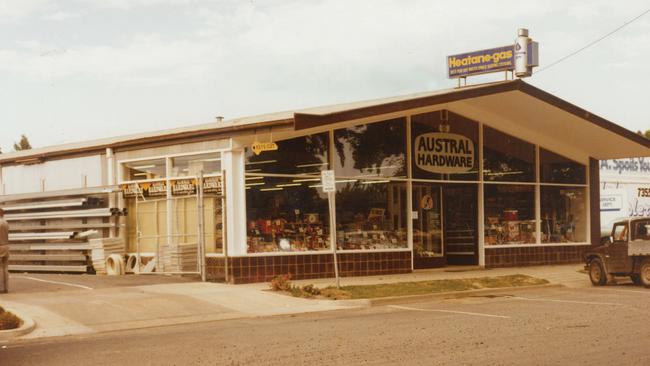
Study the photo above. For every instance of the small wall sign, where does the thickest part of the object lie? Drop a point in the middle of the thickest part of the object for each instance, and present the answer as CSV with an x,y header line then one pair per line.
x,y
259,147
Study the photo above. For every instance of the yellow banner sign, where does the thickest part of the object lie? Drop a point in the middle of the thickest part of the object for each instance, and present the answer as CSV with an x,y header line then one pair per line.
x,y
258,147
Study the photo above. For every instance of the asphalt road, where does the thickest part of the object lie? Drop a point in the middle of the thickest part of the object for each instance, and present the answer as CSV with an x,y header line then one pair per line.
x,y
597,326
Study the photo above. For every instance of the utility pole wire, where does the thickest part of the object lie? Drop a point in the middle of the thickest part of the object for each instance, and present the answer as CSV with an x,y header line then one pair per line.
x,y
594,42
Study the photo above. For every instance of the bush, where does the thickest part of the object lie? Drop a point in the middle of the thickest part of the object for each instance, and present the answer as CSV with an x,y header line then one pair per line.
x,y
281,283
8,320
310,289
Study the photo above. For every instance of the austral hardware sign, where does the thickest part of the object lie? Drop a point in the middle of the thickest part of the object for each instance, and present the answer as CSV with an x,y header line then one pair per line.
x,y
481,62
445,153
179,187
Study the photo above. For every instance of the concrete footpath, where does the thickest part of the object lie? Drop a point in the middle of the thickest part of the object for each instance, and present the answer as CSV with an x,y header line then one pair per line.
x,y
73,304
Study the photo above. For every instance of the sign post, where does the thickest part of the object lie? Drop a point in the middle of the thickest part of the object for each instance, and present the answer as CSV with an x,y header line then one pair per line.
x,y
329,186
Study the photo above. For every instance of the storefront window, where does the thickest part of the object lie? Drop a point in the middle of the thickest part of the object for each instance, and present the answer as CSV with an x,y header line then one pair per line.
x,y
300,155
286,215
371,214
372,150
506,158
444,146
558,169
145,169
563,214
509,214
192,165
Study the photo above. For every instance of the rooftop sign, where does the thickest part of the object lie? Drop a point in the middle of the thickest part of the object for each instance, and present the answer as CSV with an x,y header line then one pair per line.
x,y
481,62
519,57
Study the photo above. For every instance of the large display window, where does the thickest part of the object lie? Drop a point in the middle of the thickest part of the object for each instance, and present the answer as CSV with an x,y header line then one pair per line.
x,y
371,214
444,147
506,158
371,150
300,155
144,170
192,165
287,214
564,214
558,169
509,214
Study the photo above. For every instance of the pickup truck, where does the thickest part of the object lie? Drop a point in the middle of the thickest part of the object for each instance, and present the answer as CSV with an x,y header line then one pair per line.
x,y
625,253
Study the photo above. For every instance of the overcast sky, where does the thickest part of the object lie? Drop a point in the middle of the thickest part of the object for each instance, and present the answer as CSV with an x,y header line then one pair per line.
x,y
81,69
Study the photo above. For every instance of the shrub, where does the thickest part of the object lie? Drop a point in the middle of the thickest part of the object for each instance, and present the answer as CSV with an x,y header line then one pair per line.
x,y
281,283
310,289
8,320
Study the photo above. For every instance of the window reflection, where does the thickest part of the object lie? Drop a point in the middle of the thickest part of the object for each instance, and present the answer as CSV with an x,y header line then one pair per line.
x,y
300,155
371,150
564,216
558,169
506,158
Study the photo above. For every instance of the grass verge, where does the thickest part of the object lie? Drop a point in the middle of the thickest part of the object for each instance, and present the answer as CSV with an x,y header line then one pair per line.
x,y
404,288
437,286
8,320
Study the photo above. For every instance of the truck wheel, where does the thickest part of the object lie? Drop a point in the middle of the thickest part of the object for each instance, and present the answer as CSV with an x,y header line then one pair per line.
x,y
636,279
644,273
597,273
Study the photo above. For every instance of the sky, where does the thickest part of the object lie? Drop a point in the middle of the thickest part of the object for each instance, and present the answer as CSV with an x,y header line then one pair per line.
x,y
82,69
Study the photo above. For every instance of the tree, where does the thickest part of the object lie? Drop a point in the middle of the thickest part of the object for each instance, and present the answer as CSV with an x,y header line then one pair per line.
x,y
23,144
647,134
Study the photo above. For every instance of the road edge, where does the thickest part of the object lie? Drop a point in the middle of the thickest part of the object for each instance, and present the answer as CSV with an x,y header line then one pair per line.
x,y
27,326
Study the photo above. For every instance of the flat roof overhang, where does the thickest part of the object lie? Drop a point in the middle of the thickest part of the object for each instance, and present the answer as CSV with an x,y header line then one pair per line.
x,y
513,107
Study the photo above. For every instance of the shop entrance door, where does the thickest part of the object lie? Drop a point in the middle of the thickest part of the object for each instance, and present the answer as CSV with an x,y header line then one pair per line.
x,y
444,225
461,219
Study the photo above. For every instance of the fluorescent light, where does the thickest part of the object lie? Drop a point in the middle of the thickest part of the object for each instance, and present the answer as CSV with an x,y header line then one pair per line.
x,y
308,165
262,162
316,186
375,181
271,189
288,185
307,180
346,181
139,174
141,167
253,170
254,178
255,184
389,167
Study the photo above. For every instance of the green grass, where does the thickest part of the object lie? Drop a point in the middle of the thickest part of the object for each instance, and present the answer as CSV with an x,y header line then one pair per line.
x,y
428,287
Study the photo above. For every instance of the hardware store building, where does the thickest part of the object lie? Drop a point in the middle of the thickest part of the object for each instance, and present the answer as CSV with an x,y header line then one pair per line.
x,y
500,174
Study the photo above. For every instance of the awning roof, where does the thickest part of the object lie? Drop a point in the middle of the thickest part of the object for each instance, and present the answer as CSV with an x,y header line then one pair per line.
x,y
514,107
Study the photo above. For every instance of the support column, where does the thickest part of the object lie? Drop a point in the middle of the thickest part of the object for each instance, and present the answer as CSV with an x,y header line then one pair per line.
x,y
593,203
233,164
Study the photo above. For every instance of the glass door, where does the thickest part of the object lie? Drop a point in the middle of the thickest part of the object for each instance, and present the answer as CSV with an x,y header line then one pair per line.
x,y
427,226
461,221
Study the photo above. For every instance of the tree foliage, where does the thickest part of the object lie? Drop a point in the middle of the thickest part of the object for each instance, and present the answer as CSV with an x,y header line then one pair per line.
x,y
23,144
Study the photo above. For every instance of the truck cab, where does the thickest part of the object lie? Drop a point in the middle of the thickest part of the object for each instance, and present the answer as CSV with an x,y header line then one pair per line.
x,y
626,252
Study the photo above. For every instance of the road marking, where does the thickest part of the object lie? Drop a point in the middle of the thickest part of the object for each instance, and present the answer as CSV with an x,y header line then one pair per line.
x,y
632,291
567,301
55,282
448,311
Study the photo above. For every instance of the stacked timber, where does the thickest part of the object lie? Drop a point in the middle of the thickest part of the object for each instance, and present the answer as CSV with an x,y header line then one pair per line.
x,y
180,258
102,248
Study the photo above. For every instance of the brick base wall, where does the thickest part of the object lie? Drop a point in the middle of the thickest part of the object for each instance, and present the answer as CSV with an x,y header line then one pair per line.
x,y
530,256
307,266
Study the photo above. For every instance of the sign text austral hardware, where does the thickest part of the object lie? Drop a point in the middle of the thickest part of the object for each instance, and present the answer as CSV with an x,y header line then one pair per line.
x,y
445,153
481,62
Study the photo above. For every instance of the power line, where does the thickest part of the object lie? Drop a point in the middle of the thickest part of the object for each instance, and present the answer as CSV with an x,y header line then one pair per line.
x,y
594,42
